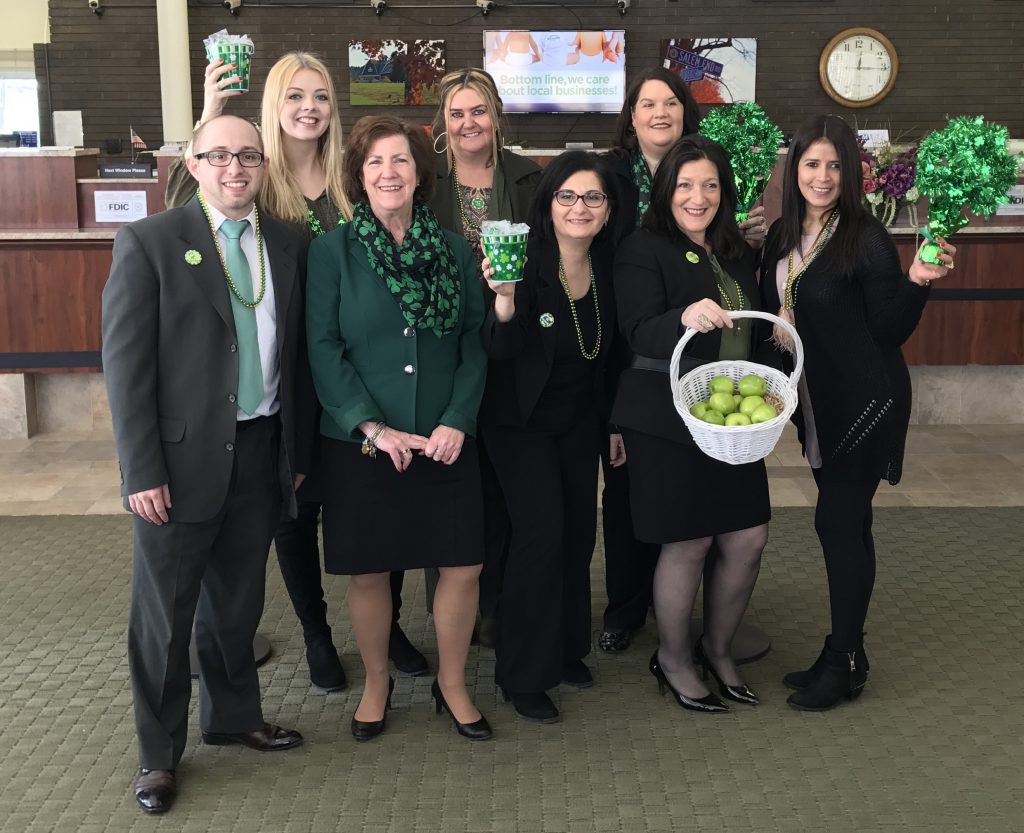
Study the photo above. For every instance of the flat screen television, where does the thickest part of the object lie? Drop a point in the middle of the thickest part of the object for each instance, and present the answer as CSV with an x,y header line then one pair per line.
x,y
555,71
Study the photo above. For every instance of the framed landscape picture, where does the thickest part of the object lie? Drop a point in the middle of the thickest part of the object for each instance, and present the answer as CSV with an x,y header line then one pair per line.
x,y
394,72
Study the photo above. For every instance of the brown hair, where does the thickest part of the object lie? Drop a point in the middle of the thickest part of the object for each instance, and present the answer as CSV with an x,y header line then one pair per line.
x,y
625,135
363,136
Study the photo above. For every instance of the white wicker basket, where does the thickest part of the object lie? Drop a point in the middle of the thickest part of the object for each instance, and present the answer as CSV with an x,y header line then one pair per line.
x,y
736,444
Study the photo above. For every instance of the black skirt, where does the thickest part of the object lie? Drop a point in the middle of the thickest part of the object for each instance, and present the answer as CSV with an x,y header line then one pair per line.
x,y
678,493
377,519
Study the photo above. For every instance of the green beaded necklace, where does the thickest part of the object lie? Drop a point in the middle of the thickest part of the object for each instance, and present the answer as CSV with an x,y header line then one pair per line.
x,y
793,279
592,354
314,223
223,263
727,300
467,224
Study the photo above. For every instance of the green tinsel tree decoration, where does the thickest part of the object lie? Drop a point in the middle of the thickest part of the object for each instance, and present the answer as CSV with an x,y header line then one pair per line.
x,y
964,165
752,142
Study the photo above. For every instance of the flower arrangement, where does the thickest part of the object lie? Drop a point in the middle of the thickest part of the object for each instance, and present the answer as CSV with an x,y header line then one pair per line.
x,y
890,176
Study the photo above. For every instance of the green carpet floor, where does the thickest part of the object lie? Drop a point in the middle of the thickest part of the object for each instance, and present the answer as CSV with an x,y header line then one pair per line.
x,y
935,743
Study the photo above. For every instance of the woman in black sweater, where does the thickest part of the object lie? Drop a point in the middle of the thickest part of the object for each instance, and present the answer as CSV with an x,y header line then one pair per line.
x,y
833,270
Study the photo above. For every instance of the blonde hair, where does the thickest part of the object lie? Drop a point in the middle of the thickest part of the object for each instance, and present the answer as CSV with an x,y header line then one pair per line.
x,y
480,82
280,194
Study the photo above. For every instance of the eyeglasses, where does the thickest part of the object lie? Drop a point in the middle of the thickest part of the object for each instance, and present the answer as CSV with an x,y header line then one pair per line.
x,y
222,158
591,199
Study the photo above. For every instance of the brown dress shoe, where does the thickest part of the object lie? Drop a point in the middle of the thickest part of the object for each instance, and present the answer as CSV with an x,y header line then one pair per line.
x,y
155,790
270,738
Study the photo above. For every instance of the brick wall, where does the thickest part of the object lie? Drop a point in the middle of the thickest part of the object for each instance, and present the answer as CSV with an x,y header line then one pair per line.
x,y
955,57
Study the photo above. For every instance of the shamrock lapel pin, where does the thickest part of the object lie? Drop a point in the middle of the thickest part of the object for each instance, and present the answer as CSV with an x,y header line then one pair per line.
x,y
193,258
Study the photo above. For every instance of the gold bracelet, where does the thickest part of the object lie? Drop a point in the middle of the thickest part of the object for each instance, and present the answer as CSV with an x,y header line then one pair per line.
x,y
370,442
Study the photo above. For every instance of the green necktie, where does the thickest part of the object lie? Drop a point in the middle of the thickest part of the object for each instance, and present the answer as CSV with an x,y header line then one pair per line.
x,y
250,372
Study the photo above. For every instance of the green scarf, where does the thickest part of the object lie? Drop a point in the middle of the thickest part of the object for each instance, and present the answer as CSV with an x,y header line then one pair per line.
x,y
421,274
642,178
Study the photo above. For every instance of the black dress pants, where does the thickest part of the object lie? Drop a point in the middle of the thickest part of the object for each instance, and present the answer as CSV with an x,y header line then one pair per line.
x,y
212,573
298,554
628,563
550,485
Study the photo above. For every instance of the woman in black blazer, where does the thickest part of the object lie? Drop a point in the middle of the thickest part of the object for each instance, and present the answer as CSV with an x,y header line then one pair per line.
x,y
685,267
542,418
834,271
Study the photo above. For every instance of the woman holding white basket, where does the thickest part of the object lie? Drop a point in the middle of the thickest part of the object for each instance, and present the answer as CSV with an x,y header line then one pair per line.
x,y
686,268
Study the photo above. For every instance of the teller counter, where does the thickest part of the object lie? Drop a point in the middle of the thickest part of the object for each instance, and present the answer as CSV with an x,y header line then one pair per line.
x,y
55,258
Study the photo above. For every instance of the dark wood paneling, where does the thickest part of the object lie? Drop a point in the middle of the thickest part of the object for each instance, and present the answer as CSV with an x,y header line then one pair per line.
x,y
975,331
88,56
50,295
38,192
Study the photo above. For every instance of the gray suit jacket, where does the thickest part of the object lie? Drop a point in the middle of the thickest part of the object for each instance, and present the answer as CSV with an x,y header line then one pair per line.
x,y
171,361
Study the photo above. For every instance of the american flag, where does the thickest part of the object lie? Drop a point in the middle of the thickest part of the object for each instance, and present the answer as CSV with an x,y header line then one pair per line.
x,y
137,143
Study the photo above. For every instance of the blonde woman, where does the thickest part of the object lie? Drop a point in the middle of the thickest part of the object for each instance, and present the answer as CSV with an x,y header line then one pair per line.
x,y
303,186
478,181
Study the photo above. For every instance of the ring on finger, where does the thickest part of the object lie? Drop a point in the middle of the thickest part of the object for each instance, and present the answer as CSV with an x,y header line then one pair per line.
x,y
704,321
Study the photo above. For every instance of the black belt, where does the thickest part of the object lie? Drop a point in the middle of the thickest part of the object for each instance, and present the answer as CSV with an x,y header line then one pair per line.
x,y
645,363
245,424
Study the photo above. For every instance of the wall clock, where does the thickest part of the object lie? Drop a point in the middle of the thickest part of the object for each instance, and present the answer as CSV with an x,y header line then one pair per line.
x,y
858,67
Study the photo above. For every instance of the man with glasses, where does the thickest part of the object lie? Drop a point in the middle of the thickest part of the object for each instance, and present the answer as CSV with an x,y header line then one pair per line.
x,y
204,358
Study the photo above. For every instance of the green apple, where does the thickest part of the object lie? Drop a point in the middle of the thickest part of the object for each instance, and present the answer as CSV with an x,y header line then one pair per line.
x,y
763,413
722,402
714,417
720,384
699,409
737,419
752,385
751,404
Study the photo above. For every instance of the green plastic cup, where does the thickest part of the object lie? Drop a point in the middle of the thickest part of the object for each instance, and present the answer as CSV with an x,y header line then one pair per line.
x,y
507,253
239,54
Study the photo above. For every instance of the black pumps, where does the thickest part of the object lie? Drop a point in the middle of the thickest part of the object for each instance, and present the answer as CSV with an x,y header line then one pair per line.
x,y
363,730
709,705
478,730
736,693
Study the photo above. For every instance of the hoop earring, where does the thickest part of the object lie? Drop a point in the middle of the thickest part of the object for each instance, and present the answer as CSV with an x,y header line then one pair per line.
x,y
442,134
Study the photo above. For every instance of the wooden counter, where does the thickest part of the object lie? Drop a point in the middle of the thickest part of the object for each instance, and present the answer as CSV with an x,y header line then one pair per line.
x,y
52,271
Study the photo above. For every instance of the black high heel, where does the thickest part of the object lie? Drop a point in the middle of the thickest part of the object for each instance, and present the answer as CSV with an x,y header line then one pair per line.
x,y
709,705
363,730
532,705
478,730
736,693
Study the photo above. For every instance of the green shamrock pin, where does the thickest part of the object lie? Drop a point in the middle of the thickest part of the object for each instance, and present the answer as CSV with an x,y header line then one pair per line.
x,y
193,258
692,257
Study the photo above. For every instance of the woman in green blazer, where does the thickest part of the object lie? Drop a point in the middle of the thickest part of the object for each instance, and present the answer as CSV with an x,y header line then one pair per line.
x,y
393,314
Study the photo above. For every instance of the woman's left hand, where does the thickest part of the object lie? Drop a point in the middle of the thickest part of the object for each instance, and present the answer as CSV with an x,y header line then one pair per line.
x,y
923,273
444,445
616,451
755,228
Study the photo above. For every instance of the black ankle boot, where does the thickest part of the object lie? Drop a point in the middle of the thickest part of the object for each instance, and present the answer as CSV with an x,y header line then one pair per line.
x,y
801,679
839,676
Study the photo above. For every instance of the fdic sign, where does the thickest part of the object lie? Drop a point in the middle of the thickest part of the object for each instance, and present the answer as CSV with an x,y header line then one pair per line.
x,y
1016,204
120,206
